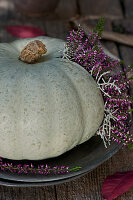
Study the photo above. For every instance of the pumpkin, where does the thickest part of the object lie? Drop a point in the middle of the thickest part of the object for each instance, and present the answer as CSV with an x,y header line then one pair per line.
x,y
47,107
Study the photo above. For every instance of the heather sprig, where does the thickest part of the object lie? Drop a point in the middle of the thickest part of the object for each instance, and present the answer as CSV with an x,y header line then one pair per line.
x,y
99,26
42,169
88,52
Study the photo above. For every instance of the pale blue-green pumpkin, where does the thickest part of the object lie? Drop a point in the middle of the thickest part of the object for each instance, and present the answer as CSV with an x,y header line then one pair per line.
x,y
48,107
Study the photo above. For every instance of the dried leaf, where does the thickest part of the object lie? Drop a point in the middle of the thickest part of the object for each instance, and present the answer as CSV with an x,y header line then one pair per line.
x,y
117,184
24,31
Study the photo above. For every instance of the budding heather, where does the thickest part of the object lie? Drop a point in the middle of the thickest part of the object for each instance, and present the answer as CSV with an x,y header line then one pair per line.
x,y
88,52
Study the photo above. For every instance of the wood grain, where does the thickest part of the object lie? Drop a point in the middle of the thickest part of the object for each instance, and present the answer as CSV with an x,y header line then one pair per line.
x,y
94,9
67,9
30,193
128,4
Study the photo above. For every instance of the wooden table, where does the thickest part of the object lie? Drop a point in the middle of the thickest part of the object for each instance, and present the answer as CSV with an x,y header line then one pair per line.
x,y
87,187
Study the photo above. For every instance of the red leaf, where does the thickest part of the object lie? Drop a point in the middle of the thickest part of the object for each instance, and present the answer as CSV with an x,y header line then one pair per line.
x,y
117,184
24,31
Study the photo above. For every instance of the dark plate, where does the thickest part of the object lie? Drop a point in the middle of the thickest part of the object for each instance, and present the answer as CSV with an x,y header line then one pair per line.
x,y
87,155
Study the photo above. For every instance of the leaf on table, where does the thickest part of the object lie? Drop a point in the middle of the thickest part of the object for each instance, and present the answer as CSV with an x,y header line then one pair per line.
x,y
117,184
24,31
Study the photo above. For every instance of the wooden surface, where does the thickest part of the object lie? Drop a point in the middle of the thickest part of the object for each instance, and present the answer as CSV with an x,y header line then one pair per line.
x,y
87,187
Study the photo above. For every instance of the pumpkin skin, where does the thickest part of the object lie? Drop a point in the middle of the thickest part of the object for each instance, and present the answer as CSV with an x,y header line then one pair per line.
x,y
46,108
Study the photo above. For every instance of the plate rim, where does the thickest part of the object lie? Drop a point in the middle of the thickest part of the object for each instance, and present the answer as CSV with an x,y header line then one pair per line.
x,y
78,174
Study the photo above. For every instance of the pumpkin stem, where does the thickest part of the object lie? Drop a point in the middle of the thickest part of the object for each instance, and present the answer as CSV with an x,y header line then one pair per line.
x,y
32,51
